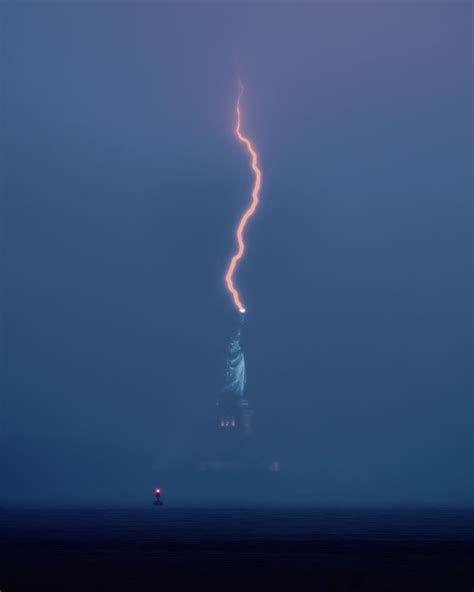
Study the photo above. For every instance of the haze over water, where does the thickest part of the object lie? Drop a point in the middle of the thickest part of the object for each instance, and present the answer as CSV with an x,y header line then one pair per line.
x,y
123,183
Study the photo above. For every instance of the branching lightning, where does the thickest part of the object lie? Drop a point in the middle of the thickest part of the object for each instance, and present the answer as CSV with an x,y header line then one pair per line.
x,y
249,212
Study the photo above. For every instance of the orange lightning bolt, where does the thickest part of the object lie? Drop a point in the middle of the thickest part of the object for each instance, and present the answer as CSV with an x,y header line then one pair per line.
x,y
249,212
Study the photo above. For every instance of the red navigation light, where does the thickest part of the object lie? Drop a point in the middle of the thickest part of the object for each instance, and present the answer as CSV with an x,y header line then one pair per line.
x,y
157,490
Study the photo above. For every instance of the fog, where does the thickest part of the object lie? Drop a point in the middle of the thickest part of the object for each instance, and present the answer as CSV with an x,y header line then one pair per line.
x,y
122,186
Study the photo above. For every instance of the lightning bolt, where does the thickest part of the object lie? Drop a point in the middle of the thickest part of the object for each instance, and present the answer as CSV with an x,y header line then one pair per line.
x,y
249,212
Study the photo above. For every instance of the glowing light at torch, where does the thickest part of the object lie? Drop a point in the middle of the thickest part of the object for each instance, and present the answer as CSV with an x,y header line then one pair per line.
x,y
249,212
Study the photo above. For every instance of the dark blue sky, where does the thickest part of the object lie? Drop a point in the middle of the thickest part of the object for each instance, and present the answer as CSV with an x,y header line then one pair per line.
x,y
123,184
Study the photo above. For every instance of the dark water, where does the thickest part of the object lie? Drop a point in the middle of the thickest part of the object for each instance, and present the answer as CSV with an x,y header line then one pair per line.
x,y
237,548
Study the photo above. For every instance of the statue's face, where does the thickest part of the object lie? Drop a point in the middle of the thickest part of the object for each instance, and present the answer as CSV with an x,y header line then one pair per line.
x,y
234,346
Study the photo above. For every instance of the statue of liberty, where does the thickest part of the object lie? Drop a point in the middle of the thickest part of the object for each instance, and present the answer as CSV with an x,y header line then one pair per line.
x,y
235,368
